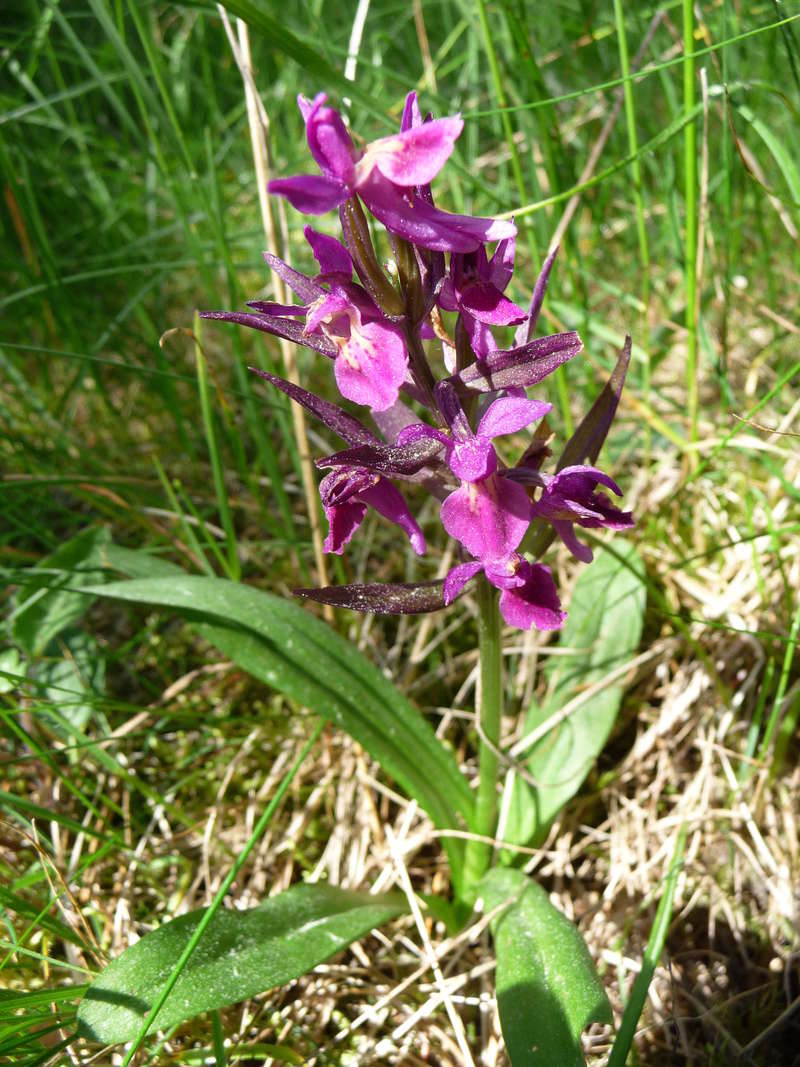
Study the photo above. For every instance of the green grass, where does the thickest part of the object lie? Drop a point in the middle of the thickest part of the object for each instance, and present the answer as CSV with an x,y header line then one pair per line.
x,y
129,202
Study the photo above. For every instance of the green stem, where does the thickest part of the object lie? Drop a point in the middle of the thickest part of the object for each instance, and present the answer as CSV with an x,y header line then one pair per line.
x,y
490,713
641,230
690,183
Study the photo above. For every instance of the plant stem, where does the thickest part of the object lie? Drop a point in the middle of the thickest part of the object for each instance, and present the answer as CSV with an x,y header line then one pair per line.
x,y
641,230
490,713
690,178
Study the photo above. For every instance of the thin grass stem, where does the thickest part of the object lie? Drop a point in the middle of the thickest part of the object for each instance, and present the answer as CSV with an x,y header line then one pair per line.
x,y
233,568
638,199
690,201
652,954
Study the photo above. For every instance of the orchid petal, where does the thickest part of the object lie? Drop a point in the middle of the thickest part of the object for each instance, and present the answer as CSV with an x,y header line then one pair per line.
x,y
488,305
585,479
457,578
330,143
311,194
422,224
473,459
343,521
371,365
306,288
509,414
535,603
566,531
330,254
419,431
333,309
411,113
452,411
414,156
389,502
489,517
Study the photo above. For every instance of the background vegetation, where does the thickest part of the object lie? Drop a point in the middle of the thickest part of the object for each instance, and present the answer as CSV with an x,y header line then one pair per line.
x,y
135,760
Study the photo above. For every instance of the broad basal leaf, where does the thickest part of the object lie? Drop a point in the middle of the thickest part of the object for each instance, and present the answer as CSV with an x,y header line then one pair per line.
x,y
301,656
241,953
602,632
547,988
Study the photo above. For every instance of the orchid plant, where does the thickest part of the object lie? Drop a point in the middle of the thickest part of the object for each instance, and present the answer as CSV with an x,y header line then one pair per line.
x,y
443,405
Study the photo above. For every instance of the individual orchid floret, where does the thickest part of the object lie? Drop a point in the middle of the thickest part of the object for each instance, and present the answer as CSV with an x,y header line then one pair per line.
x,y
488,514
571,497
528,596
371,359
345,494
475,288
339,319
385,176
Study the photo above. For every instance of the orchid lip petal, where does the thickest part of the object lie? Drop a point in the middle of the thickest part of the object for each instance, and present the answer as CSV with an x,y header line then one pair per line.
x,y
489,517
535,603
371,365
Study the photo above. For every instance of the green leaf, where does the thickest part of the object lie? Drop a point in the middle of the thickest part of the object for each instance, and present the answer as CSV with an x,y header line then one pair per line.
x,y
73,681
602,632
301,656
240,954
50,600
12,670
547,987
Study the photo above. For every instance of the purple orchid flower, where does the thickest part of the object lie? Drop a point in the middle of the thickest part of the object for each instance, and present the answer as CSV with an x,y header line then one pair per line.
x,y
528,594
570,497
341,321
386,177
350,487
475,288
488,514
345,494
